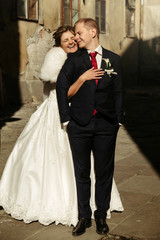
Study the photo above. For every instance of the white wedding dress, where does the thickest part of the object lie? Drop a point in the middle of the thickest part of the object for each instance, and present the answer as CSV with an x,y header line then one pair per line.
x,y
38,181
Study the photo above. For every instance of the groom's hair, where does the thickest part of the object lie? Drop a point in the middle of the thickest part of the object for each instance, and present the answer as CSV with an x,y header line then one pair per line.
x,y
89,23
58,34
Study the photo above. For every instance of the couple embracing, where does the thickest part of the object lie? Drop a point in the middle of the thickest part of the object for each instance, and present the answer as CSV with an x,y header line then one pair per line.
x,y
38,181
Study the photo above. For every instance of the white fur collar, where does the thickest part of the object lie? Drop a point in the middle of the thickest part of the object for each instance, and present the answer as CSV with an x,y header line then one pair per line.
x,y
52,64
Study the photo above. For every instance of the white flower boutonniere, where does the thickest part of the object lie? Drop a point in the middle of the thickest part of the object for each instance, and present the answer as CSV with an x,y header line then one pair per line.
x,y
108,68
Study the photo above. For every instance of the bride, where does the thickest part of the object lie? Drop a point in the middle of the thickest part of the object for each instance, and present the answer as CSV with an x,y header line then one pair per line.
x,y
38,180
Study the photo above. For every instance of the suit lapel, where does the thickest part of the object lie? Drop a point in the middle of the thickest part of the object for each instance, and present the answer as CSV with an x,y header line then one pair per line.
x,y
103,65
86,58
104,55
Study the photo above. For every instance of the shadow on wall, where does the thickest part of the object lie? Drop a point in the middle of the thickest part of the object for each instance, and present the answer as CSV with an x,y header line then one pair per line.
x,y
10,99
142,97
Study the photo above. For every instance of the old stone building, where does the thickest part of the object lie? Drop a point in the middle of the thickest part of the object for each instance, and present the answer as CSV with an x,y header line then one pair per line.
x,y
131,28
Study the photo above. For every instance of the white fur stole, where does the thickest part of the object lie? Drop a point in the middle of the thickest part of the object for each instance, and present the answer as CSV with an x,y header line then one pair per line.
x,y
52,64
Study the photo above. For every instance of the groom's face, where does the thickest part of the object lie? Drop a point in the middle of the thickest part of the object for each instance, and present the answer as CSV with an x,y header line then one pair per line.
x,y
83,35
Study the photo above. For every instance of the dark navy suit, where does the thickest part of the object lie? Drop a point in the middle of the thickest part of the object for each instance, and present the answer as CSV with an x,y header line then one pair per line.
x,y
91,133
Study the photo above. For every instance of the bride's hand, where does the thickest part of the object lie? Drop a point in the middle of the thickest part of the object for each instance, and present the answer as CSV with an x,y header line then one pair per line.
x,y
92,74
88,75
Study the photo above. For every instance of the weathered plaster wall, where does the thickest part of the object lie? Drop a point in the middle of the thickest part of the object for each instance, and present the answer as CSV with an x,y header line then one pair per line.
x,y
87,9
51,14
115,25
35,41
37,46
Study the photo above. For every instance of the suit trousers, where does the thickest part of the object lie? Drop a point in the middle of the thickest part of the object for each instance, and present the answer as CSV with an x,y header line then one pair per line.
x,y
99,136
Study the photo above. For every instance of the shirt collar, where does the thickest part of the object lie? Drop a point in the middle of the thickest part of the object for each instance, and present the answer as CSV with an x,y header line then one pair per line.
x,y
98,50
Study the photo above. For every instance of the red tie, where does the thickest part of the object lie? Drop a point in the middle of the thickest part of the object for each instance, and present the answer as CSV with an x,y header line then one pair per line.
x,y
94,64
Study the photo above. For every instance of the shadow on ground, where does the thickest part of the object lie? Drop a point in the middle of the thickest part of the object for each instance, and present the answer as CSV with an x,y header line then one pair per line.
x,y
116,237
141,80
142,121
7,113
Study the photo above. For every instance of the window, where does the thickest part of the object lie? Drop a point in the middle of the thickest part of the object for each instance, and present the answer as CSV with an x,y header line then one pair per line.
x,y
28,9
130,18
101,15
70,12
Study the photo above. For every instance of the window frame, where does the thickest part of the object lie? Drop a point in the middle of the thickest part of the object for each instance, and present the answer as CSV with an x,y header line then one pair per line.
x,y
70,11
28,11
98,14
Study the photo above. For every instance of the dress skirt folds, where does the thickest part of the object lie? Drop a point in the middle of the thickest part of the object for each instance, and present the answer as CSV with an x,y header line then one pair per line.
x,y
38,181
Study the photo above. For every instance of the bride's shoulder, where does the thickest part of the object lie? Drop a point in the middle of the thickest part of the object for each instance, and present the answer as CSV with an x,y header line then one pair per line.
x,y
55,55
56,52
52,64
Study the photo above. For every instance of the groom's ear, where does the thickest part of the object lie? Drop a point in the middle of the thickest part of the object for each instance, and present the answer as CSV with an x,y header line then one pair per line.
x,y
94,32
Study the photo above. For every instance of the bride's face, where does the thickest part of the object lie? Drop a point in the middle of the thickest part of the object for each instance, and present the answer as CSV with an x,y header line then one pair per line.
x,y
67,42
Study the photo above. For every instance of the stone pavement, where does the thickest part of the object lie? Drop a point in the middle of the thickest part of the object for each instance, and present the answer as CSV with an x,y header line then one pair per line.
x,y
137,171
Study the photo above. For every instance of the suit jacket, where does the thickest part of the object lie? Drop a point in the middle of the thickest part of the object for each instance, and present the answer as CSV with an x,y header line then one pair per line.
x,y
106,97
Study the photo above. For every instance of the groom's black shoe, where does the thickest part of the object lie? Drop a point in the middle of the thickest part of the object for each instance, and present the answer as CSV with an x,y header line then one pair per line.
x,y
102,227
82,224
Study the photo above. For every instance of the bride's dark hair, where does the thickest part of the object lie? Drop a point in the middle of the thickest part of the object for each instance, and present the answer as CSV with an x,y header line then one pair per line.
x,y
58,33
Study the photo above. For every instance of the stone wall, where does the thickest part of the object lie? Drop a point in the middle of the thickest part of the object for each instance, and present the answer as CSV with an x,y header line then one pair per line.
x,y
37,47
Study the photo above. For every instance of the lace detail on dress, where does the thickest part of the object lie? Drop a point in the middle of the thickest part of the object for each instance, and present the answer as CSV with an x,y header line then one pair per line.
x,y
37,212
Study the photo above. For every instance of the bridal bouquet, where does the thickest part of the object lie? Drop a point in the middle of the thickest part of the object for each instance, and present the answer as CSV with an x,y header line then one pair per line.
x,y
108,68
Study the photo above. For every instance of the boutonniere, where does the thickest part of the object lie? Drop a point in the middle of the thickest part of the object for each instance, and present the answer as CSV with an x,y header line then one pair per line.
x,y
108,68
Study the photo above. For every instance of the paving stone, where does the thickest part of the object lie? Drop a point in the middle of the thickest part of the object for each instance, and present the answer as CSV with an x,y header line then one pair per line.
x,y
125,146
122,177
149,171
135,159
137,173
131,203
141,184
144,223
129,169
11,229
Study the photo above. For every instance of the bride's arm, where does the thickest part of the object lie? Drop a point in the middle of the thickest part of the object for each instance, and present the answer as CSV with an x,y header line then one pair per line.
x,y
88,75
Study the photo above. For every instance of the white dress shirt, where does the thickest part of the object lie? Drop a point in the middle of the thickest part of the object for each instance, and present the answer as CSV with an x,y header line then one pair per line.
x,y
98,56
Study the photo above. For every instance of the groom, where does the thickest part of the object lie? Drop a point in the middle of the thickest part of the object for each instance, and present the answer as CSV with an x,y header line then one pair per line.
x,y
94,117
